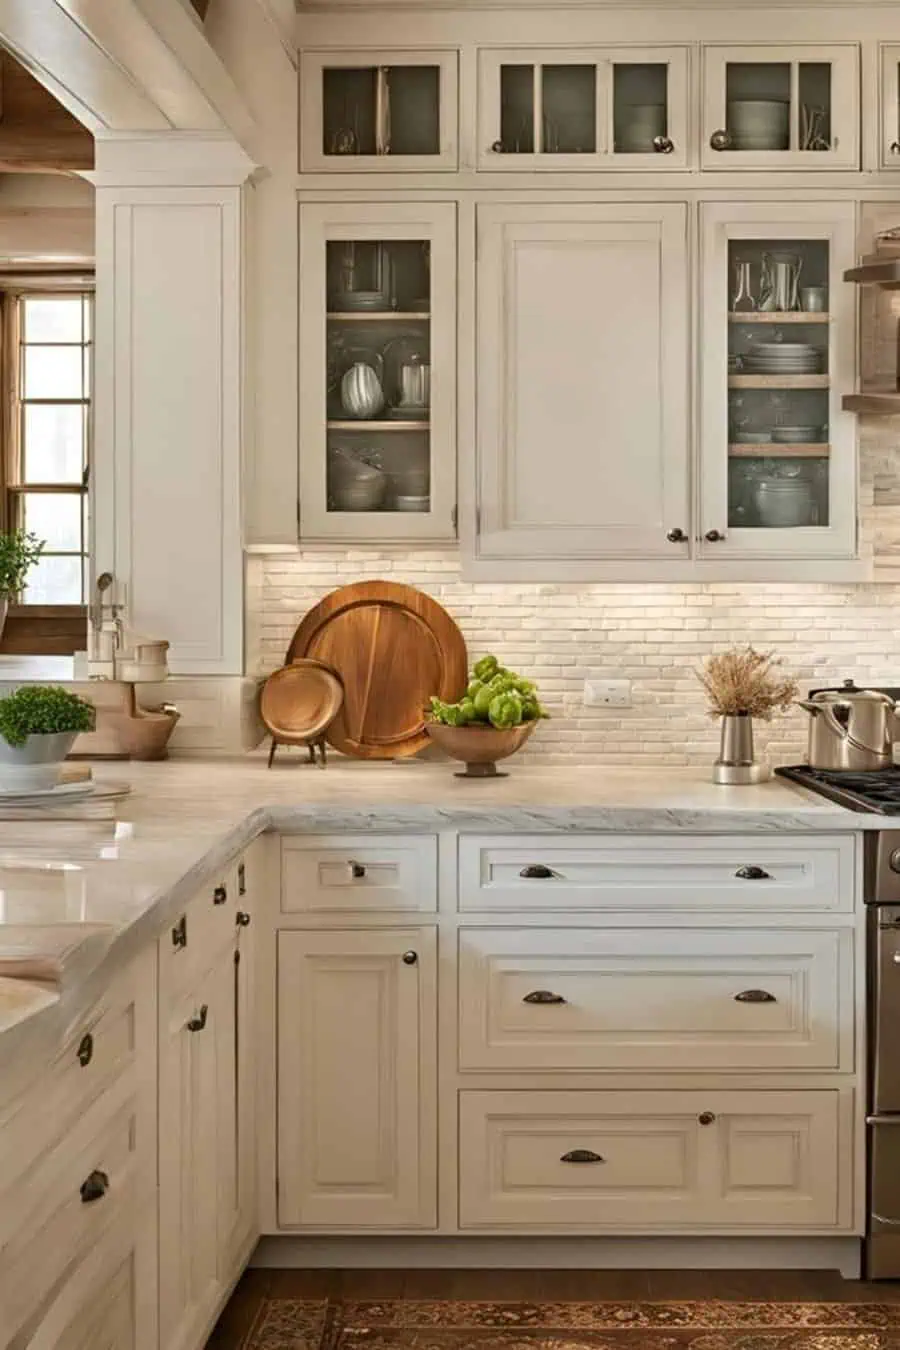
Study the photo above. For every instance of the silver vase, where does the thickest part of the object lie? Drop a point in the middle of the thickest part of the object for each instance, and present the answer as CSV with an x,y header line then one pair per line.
x,y
736,764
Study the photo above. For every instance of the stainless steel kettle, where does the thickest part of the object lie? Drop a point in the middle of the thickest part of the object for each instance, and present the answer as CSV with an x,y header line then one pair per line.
x,y
850,728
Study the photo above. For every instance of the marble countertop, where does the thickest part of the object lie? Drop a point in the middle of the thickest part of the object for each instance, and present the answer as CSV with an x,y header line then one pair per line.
x,y
90,893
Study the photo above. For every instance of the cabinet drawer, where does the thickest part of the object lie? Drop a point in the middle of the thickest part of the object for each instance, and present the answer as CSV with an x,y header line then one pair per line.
x,y
47,1221
656,998
667,1161
358,872
200,930
543,872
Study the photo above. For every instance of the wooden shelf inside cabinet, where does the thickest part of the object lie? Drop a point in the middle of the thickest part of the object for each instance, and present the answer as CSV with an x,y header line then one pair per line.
x,y
385,425
378,316
780,450
779,381
790,316
878,403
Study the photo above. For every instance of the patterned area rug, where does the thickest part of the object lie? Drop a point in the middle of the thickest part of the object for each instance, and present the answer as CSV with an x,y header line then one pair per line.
x,y
407,1324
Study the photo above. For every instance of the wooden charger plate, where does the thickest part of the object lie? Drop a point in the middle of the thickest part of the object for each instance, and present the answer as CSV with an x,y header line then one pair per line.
x,y
299,700
393,647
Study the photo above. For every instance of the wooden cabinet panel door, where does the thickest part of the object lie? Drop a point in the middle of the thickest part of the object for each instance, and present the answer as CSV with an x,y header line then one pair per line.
x,y
582,381
197,1152
356,1079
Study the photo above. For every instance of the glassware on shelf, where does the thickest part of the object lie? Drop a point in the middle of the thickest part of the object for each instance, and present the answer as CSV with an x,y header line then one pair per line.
x,y
407,378
743,300
780,282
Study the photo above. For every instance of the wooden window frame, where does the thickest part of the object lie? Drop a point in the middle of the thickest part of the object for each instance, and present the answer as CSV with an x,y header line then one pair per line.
x,y
33,629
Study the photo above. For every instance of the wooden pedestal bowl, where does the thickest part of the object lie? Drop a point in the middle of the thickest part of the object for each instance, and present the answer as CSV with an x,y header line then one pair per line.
x,y
479,747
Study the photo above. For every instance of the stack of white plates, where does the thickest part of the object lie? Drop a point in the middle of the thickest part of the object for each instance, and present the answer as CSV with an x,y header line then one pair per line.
x,y
759,124
783,358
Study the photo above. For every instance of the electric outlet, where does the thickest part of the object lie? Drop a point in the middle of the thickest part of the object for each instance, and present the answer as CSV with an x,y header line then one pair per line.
x,y
607,693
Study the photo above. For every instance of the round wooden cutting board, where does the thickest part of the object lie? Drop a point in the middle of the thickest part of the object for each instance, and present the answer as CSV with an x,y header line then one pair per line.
x,y
393,647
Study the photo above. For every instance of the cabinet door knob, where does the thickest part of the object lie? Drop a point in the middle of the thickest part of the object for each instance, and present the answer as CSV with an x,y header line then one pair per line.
x,y
707,1117
663,145
498,147
537,872
714,536
720,140
581,1155
357,871
753,873
179,932
242,918
220,895
676,535
410,958
543,996
242,878
755,996
94,1187
85,1051
895,147
198,1022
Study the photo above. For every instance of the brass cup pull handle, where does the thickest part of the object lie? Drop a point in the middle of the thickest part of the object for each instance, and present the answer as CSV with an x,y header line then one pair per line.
x,y
198,1022
755,996
663,145
357,871
242,919
543,996
94,1187
179,932
581,1155
410,958
707,1117
85,1051
220,895
537,872
676,535
753,873
720,140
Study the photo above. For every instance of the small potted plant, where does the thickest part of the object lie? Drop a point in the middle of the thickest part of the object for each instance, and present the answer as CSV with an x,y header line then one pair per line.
x,y
495,716
741,684
19,551
38,727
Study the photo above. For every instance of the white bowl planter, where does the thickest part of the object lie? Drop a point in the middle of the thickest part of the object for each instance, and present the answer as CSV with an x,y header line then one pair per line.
x,y
36,764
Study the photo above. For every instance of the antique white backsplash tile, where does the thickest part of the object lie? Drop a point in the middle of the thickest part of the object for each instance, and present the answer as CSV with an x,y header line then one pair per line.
x,y
653,634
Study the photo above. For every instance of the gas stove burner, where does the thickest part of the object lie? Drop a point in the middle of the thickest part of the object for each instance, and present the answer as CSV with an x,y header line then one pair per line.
x,y
877,791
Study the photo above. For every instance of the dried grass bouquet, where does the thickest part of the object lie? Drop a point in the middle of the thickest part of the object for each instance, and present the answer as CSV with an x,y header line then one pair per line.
x,y
745,681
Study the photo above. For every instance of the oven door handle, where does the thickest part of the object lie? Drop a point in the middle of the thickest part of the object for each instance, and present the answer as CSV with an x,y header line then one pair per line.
x,y
883,1120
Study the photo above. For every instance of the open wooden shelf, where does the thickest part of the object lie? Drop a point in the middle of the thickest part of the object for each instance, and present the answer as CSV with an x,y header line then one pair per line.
x,y
378,316
775,316
779,381
877,402
383,424
780,450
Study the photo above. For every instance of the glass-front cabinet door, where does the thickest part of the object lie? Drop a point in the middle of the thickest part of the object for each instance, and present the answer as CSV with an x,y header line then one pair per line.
x,y
778,456
890,106
582,109
378,110
377,371
780,107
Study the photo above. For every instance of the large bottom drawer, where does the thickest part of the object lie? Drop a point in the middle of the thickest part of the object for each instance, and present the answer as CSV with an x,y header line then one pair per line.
x,y
664,1161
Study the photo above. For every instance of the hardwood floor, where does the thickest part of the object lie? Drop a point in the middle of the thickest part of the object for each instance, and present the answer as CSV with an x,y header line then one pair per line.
x,y
537,1286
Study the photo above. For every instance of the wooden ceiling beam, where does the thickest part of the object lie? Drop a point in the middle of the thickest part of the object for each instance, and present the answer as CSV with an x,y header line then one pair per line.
x,y
37,134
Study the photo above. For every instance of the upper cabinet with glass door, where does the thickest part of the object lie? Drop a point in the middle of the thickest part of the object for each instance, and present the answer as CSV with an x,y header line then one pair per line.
x,y
890,107
378,110
778,456
780,107
377,374
582,109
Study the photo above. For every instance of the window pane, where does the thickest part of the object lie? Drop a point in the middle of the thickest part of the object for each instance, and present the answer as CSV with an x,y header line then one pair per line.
x,y
56,518
53,372
53,319
54,443
54,581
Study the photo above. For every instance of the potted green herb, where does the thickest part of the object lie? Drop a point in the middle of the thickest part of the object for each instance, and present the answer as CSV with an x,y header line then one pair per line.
x,y
19,551
38,727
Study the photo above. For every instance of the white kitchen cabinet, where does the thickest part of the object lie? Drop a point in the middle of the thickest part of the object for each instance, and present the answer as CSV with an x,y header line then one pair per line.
x,y
675,1161
378,371
357,1132
889,137
777,453
777,106
582,108
378,111
582,381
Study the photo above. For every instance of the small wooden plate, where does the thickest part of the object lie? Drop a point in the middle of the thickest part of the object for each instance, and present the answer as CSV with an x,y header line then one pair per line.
x,y
299,701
